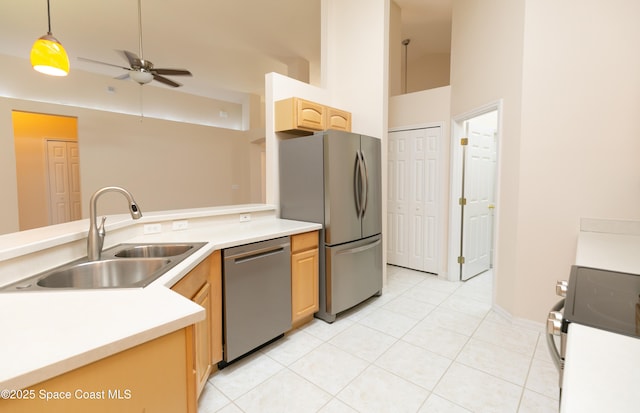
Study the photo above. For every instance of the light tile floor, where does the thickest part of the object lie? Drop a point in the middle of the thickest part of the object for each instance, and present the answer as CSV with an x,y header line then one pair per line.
x,y
425,345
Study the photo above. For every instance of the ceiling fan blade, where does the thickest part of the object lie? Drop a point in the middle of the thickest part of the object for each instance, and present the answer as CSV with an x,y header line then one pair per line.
x,y
132,58
172,72
166,81
102,63
122,77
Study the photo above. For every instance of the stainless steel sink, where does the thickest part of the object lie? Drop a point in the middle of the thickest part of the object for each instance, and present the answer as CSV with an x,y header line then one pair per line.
x,y
122,266
104,274
154,250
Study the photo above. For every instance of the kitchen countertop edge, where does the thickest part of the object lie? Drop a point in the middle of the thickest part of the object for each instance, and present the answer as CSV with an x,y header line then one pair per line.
x,y
27,308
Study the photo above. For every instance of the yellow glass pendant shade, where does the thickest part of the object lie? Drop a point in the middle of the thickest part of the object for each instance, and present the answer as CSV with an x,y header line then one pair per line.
x,y
49,57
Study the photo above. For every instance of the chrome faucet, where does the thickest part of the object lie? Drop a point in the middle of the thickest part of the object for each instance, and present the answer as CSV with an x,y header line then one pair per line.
x,y
95,239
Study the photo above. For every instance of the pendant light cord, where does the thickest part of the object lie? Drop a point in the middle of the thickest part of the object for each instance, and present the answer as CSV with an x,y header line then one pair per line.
x,y
49,18
405,43
140,26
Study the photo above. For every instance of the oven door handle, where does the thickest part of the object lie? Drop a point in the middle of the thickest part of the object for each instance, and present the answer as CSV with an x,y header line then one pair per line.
x,y
554,323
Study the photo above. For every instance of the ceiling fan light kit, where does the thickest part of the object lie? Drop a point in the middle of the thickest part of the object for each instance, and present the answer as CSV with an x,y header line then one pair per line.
x,y
47,54
141,77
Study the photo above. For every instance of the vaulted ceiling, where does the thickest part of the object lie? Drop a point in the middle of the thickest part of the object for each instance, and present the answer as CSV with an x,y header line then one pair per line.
x,y
227,45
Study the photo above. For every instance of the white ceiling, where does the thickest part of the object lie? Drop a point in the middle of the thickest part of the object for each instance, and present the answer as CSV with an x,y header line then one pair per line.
x,y
227,45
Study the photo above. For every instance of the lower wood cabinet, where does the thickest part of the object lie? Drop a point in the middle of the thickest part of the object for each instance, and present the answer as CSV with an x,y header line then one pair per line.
x,y
165,375
151,377
304,277
203,285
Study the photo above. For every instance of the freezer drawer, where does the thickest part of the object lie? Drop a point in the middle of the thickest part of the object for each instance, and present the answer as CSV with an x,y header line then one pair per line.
x,y
353,273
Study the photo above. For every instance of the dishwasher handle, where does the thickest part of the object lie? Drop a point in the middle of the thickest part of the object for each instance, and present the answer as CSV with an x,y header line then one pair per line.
x,y
255,254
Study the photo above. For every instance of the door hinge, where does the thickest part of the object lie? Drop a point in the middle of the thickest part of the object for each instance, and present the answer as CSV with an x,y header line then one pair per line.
x,y
464,141
462,201
460,260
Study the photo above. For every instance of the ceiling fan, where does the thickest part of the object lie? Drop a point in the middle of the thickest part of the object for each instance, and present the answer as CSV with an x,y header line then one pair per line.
x,y
141,70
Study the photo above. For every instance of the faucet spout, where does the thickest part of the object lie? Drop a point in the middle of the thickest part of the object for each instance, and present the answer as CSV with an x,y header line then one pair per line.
x,y
95,239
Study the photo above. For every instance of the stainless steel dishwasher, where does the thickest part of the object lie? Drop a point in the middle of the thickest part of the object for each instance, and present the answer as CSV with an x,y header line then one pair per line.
x,y
257,295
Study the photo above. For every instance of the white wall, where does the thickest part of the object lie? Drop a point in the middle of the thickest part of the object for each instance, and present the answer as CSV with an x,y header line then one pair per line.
x,y
427,106
355,61
580,139
569,76
486,66
93,91
167,164
428,71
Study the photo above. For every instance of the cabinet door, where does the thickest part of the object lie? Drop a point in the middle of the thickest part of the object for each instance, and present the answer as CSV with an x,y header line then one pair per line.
x,y
338,119
304,284
202,332
299,116
310,115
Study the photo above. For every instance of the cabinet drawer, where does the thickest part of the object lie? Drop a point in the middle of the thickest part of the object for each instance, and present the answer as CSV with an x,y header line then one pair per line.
x,y
194,280
301,242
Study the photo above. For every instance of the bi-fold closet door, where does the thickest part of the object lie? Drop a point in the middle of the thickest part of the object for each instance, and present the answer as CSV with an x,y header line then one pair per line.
x,y
414,198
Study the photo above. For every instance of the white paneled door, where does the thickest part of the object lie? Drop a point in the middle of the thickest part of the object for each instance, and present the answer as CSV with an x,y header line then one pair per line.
x,y
413,197
64,181
478,194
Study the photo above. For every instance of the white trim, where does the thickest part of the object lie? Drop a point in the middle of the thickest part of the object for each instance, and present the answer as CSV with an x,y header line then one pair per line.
x,y
455,184
417,126
519,322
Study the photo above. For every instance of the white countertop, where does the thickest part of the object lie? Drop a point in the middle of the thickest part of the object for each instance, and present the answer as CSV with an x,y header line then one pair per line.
x,y
601,370
45,334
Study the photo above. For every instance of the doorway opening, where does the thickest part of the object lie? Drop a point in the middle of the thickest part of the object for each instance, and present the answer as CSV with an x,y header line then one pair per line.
x,y
474,172
47,169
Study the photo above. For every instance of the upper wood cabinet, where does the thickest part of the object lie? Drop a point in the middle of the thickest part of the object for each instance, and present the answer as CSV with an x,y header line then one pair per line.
x,y
299,114
338,119
302,116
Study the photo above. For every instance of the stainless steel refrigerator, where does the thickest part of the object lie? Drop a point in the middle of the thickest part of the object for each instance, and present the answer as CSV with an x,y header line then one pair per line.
x,y
333,178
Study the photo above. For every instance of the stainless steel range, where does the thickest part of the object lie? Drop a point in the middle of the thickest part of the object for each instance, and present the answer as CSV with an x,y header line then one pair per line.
x,y
605,301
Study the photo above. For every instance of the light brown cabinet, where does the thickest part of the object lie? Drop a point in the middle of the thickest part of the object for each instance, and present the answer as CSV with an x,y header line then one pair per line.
x,y
296,114
150,377
301,116
304,277
203,286
163,375
338,119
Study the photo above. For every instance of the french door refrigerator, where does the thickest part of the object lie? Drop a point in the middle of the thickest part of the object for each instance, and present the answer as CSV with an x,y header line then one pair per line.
x,y
333,178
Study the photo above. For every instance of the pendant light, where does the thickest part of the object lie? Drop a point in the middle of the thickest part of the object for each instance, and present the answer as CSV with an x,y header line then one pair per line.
x,y
47,54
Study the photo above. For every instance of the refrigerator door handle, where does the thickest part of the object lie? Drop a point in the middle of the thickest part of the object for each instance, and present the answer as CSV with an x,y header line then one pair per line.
x,y
363,178
365,189
356,193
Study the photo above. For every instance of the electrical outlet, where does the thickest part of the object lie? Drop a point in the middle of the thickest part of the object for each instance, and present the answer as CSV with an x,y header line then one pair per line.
x,y
245,217
178,225
152,228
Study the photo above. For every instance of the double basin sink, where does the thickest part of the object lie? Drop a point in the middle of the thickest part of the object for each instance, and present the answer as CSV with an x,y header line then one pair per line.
x,y
122,266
